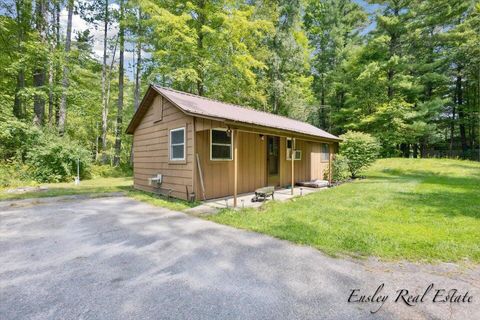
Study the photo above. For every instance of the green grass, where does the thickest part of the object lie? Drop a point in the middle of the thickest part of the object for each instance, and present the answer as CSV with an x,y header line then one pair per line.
x,y
172,203
98,187
93,186
413,209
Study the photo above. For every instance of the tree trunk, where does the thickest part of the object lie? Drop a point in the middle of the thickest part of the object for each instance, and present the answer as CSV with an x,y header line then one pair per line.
x,y
18,104
119,126
423,148
452,129
323,122
461,113
104,87
200,24
62,113
51,97
393,48
138,65
405,149
415,150
51,68
57,72
138,70
39,74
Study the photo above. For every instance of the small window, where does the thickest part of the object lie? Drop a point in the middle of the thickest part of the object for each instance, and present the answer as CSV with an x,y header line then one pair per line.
x,y
298,153
220,144
325,152
289,148
177,144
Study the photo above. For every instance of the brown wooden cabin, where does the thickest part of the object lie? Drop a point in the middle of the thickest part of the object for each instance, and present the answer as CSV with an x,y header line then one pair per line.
x,y
238,149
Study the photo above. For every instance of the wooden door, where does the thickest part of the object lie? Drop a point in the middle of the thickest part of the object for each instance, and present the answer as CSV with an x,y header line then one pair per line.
x,y
273,161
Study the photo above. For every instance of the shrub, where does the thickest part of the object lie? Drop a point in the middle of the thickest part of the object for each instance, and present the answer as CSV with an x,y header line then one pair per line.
x,y
340,168
54,159
16,138
107,171
14,174
360,150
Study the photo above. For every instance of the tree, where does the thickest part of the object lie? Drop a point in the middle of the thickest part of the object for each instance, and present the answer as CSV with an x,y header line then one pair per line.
x,y
208,48
62,114
288,79
104,84
23,16
119,127
39,73
333,29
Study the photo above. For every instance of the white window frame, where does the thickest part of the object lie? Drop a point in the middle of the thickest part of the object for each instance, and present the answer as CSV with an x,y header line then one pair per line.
x,y
289,151
170,145
221,144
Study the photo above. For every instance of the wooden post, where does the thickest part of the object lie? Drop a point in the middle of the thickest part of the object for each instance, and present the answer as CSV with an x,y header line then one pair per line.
x,y
235,166
330,162
200,174
292,157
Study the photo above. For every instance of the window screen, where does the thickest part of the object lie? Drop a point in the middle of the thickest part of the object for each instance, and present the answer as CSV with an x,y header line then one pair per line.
x,y
221,146
177,144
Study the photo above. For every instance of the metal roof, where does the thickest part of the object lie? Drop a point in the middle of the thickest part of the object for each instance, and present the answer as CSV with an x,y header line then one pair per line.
x,y
205,107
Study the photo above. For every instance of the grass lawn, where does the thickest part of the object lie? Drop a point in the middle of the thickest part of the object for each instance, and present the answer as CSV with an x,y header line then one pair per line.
x,y
97,187
413,209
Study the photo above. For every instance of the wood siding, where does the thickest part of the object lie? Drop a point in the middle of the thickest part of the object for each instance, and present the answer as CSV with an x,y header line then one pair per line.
x,y
318,167
151,156
310,166
151,152
218,175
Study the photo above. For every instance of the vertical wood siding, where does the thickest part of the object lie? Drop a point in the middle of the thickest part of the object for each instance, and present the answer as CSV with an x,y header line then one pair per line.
x,y
218,175
151,154
310,167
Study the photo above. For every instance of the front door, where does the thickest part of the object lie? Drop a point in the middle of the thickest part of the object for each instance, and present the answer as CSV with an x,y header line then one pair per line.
x,y
273,161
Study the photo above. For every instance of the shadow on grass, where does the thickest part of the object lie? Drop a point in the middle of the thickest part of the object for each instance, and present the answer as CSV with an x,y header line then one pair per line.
x,y
451,195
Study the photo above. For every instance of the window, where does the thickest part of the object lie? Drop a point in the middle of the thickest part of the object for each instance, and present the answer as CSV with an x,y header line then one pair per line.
x,y
220,144
325,152
289,148
177,144
298,153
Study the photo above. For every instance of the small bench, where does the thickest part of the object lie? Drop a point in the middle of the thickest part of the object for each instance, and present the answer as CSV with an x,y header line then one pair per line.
x,y
263,193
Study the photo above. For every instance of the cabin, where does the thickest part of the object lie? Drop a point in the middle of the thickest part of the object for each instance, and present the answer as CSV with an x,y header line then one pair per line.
x,y
188,146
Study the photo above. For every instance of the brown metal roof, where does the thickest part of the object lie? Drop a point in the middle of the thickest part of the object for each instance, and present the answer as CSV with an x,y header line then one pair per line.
x,y
205,107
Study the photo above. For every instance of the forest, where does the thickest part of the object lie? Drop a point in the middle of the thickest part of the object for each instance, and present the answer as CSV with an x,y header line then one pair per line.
x,y
405,71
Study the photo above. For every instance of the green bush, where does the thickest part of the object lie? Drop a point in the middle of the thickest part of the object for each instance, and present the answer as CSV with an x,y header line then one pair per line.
x,y
14,174
360,149
16,139
106,171
54,159
340,168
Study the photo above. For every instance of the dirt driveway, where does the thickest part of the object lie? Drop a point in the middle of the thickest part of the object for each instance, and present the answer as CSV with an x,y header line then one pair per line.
x,y
116,258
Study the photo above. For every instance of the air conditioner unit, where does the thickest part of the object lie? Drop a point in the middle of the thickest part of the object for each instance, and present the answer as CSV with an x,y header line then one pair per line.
x,y
157,180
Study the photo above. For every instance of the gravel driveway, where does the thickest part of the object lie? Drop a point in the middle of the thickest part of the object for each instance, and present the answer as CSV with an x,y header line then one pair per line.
x,y
116,258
